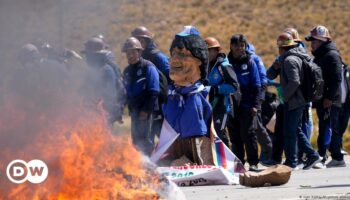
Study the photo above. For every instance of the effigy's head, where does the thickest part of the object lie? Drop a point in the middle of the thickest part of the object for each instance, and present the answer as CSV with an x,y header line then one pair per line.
x,y
189,57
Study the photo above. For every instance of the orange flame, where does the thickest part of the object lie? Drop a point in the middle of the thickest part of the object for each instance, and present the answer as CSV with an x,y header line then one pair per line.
x,y
85,160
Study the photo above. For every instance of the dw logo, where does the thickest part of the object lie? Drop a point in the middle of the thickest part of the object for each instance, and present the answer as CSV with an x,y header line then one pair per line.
x,y
35,171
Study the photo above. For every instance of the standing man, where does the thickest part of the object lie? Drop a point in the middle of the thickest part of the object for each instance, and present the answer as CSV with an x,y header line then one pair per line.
x,y
345,100
328,108
307,124
224,84
160,60
141,80
250,85
291,75
102,79
262,135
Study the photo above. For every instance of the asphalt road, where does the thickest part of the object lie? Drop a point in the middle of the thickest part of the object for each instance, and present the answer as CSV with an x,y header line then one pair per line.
x,y
313,184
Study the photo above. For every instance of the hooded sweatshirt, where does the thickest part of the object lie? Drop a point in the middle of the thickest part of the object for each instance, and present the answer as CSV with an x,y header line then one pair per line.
x,y
292,76
328,58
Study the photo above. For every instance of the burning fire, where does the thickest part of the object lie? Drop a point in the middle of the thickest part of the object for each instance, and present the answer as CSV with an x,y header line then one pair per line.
x,y
85,160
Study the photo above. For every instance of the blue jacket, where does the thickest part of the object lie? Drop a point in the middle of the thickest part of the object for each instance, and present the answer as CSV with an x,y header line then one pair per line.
x,y
261,68
187,110
141,82
158,58
223,81
248,79
258,61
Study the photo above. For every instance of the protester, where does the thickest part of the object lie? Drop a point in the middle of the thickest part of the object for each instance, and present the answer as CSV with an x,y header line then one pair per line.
x,y
307,122
224,84
262,135
345,100
38,81
291,73
54,54
328,108
142,86
102,79
248,77
160,60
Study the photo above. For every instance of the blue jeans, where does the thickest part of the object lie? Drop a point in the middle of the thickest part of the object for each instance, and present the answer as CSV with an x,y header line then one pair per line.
x,y
292,133
329,135
141,133
307,127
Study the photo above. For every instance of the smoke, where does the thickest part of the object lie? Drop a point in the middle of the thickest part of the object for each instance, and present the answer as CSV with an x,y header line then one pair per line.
x,y
43,93
38,97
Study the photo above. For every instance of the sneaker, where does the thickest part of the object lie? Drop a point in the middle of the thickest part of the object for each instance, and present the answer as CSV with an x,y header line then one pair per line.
x,y
310,162
301,162
296,168
254,168
324,159
336,163
269,163
319,165
343,152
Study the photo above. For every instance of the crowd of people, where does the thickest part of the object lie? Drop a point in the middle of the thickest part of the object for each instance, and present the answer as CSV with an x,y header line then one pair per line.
x,y
200,85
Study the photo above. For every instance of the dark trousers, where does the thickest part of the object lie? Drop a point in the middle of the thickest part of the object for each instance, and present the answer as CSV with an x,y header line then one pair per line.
x,y
277,139
343,120
141,133
293,132
329,136
220,122
244,138
263,139
157,123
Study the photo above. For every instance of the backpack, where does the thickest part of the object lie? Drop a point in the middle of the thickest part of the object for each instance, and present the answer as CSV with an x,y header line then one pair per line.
x,y
346,80
163,84
119,80
312,82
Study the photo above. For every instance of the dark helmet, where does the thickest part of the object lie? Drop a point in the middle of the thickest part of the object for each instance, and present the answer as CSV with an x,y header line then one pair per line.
x,y
103,38
132,43
94,44
142,31
29,53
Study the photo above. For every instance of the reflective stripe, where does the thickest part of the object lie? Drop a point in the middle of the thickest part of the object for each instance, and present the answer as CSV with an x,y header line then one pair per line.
x,y
141,79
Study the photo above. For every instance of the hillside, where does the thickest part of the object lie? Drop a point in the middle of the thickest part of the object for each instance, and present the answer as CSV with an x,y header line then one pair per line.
x,y
69,23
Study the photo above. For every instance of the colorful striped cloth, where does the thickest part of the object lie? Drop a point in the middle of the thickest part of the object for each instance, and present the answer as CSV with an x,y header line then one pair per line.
x,y
223,156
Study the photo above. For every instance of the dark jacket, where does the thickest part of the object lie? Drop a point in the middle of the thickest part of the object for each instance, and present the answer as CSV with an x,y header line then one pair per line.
x,y
346,76
328,58
224,84
248,79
